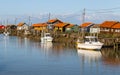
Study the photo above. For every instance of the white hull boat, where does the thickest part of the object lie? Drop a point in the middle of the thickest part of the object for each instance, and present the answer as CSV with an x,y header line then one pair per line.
x,y
90,42
46,38
6,33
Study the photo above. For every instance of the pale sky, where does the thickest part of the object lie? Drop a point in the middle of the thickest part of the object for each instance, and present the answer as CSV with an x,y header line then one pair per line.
x,y
17,7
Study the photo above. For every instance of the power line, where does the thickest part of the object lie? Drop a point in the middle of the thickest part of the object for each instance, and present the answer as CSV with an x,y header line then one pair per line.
x,y
116,8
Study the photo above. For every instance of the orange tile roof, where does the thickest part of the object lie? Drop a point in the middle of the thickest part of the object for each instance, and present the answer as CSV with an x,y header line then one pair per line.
x,y
116,26
108,24
21,24
96,26
85,24
53,20
70,25
60,24
40,25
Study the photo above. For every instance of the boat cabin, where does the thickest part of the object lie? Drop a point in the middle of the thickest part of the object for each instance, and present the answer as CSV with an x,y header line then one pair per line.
x,y
90,39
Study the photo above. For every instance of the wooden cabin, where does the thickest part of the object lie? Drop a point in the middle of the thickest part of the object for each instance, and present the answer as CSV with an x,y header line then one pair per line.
x,y
68,28
95,28
22,26
85,27
116,28
106,26
72,28
14,27
2,27
40,27
52,22
60,27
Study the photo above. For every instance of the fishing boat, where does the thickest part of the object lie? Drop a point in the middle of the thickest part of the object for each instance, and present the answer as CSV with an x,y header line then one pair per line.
x,y
6,33
46,37
89,42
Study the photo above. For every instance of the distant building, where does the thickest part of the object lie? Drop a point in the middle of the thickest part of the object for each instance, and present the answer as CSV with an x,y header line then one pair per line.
x,y
2,27
60,27
72,28
40,27
106,26
22,26
115,28
85,27
52,22
95,28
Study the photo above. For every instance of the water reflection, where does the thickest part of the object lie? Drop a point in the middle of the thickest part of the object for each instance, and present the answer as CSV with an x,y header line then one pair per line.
x,y
110,56
47,45
26,57
89,56
90,61
48,48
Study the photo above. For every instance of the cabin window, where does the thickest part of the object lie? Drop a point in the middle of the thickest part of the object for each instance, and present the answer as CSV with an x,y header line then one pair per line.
x,y
87,40
112,30
106,29
47,34
117,30
94,39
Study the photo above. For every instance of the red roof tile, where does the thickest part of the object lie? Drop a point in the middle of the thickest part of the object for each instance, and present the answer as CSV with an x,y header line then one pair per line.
x,y
54,20
85,24
2,26
60,24
116,26
70,25
21,24
39,25
108,24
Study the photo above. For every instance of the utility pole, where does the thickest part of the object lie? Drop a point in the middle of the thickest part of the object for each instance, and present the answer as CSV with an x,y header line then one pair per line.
x,y
15,21
83,20
83,14
49,25
1,21
7,22
49,16
29,20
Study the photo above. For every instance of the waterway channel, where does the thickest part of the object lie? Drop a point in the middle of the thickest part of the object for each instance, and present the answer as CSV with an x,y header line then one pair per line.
x,y
21,56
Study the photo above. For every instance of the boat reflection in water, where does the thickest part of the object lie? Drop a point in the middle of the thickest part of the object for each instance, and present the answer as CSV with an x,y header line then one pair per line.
x,y
111,56
46,45
89,54
90,61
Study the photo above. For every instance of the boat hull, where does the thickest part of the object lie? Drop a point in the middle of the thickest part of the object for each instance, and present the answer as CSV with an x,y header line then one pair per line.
x,y
6,33
89,46
46,39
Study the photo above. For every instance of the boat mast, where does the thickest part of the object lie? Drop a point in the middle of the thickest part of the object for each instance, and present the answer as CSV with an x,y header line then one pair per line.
x,y
83,15
49,16
83,20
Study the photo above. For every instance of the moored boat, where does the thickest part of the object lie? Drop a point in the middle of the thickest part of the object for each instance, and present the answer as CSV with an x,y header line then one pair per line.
x,y
6,33
89,42
46,38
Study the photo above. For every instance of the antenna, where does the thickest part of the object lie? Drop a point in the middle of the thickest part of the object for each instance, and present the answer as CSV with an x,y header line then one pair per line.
x,y
83,20
49,16
29,18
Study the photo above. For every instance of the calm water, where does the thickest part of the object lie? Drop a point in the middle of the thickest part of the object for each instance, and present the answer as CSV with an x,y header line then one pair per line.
x,y
25,57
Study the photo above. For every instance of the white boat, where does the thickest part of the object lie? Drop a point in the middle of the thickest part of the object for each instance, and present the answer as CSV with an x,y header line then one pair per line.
x,y
46,38
89,42
6,33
